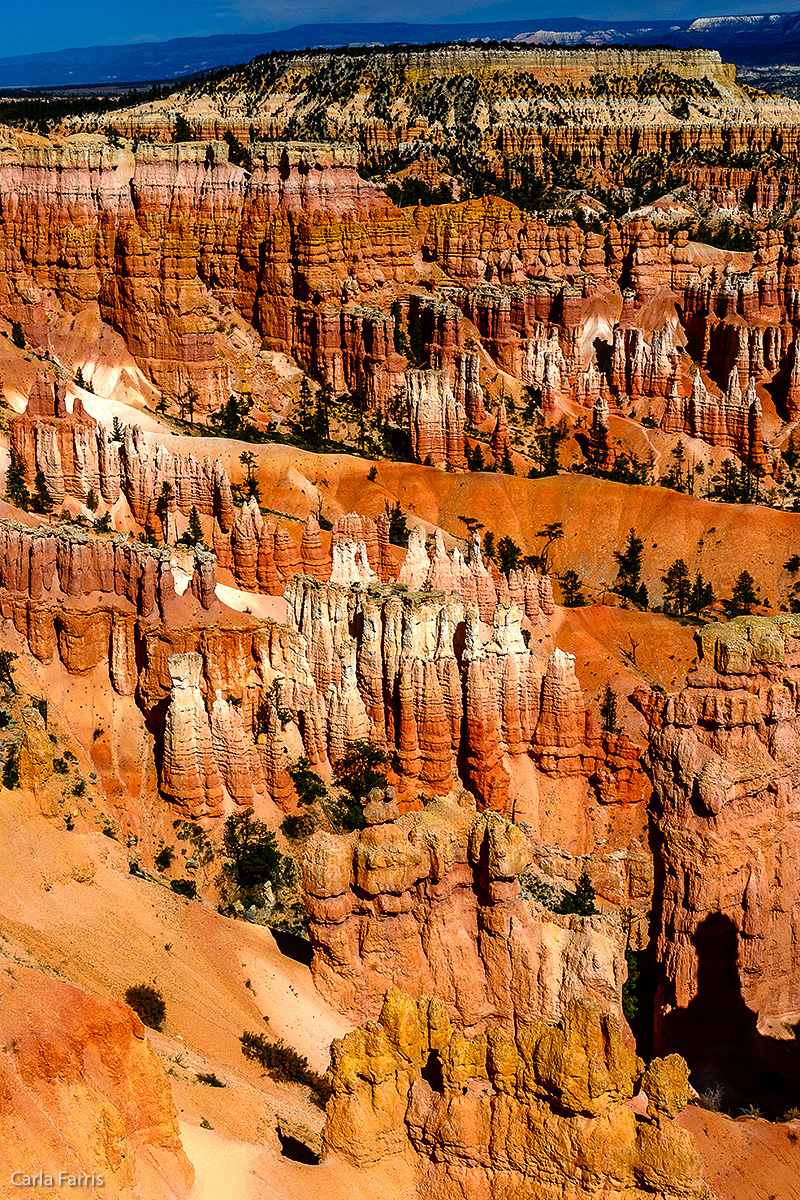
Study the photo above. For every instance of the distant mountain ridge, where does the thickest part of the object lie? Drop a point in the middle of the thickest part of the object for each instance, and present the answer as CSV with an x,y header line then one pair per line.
x,y
743,39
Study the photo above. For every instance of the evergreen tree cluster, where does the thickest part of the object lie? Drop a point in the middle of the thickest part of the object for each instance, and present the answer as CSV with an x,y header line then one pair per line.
x,y
581,902
398,526
681,595
629,571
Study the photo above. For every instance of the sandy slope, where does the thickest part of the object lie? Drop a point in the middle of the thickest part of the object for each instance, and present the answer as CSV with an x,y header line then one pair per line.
x,y
68,903
75,906
746,1159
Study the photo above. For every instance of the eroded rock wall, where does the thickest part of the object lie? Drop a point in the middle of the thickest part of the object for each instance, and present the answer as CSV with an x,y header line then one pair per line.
x,y
150,237
726,770
447,693
75,454
541,1110
430,902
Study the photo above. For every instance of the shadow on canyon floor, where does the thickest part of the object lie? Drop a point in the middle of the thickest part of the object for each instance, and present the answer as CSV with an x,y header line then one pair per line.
x,y
733,1064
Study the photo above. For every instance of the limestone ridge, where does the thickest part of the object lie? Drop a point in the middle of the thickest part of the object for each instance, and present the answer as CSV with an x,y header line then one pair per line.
x,y
540,1110
389,97
724,763
430,902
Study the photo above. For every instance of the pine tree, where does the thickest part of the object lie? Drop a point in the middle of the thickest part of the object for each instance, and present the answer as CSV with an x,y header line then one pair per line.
x,y
475,459
42,501
679,455
677,587
195,531
16,488
360,401
702,595
398,528
509,555
322,424
728,486
92,501
633,984
629,567
533,404
744,595
488,544
183,130
582,901
597,449
190,400
571,589
117,430
305,398
163,504
608,710
552,533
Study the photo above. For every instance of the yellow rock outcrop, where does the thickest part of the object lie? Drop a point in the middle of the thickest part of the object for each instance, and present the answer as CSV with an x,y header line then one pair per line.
x,y
540,1112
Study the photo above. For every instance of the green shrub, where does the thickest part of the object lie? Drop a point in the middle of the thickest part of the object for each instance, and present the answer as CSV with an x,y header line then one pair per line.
x,y
184,887
190,831
11,768
297,827
534,888
362,768
252,848
712,1100
7,660
412,191
285,1065
630,988
163,859
581,901
148,1004
308,785
210,1078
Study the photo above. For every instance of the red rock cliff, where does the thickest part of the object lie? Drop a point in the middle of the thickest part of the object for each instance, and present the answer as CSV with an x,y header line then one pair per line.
x,y
723,760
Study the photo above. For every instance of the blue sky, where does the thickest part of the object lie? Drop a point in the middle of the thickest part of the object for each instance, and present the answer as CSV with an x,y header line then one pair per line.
x,y
53,25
